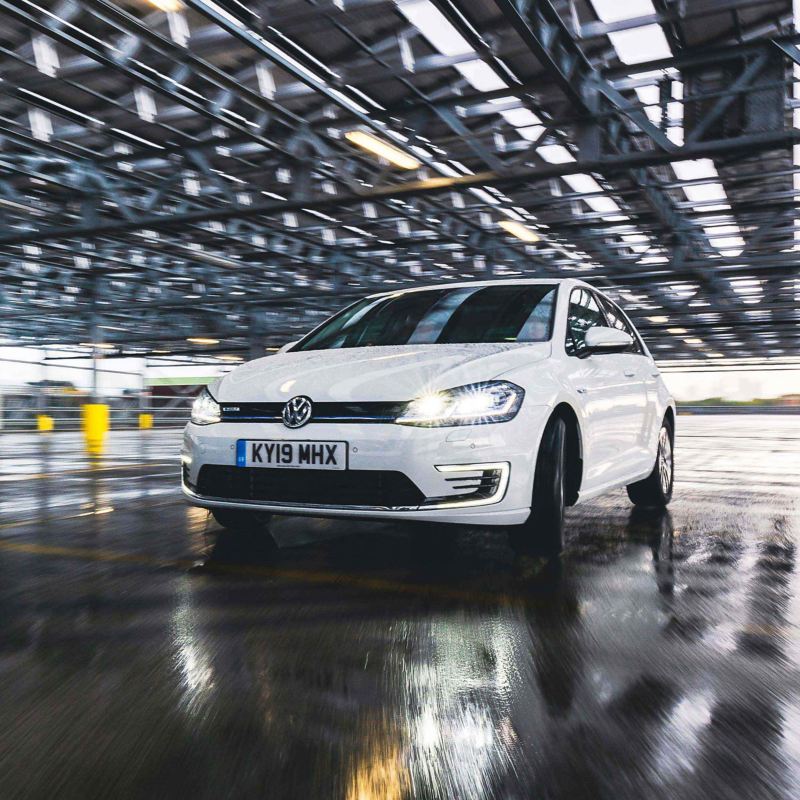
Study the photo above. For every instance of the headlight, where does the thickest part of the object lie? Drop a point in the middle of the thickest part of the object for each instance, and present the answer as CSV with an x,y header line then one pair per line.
x,y
475,404
205,409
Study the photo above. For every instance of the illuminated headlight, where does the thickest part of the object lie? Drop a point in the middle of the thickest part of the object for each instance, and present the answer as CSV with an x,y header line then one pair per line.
x,y
205,409
475,404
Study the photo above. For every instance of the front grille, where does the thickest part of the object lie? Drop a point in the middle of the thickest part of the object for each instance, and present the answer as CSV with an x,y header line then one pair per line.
x,y
381,488
371,412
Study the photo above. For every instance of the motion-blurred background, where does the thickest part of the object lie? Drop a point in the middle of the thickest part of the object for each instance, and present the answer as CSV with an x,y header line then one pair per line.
x,y
189,184
184,185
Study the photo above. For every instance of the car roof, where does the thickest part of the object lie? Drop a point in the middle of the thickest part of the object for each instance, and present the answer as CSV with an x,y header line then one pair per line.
x,y
495,282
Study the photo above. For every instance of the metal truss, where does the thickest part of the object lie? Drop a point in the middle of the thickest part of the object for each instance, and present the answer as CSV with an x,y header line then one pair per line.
x,y
165,177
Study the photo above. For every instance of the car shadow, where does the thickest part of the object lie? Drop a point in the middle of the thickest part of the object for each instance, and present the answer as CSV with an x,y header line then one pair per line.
x,y
456,562
474,565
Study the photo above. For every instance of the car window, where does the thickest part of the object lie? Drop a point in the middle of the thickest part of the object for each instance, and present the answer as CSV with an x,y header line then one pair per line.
x,y
584,313
500,313
617,320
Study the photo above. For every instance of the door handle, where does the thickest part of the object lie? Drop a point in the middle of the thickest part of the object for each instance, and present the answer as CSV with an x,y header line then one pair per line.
x,y
654,374
630,373
581,390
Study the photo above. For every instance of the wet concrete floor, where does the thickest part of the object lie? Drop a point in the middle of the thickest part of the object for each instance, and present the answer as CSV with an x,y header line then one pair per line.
x,y
146,654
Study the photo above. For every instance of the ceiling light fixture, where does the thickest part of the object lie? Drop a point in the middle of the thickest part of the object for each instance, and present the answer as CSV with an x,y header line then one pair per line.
x,y
201,340
366,141
519,230
169,6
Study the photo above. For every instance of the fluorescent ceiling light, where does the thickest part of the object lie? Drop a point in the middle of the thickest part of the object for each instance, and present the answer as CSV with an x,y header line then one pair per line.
x,y
170,6
99,345
519,230
202,340
383,149
659,320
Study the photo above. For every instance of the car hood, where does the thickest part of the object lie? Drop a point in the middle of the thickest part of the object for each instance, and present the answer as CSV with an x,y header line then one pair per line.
x,y
373,373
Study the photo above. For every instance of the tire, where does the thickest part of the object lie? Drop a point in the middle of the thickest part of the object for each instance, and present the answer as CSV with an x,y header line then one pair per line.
x,y
543,533
233,519
655,491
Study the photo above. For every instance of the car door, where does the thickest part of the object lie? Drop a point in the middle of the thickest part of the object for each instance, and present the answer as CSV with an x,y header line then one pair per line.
x,y
639,368
604,393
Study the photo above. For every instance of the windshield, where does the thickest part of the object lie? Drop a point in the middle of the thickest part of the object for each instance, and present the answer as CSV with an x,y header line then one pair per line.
x,y
512,313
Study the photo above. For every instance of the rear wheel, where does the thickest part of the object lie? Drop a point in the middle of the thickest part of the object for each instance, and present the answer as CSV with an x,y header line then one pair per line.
x,y
234,519
655,490
543,532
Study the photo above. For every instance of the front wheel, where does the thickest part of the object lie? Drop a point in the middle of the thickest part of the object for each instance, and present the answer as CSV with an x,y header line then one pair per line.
x,y
655,490
234,519
543,532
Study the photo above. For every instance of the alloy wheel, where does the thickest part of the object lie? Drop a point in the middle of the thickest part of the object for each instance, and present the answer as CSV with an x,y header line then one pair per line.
x,y
665,460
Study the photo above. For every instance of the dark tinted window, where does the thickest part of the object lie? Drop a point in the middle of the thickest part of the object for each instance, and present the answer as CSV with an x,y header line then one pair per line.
x,y
617,320
512,313
583,313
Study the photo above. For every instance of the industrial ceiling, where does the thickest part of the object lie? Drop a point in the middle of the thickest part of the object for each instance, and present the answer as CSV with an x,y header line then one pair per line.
x,y
186,176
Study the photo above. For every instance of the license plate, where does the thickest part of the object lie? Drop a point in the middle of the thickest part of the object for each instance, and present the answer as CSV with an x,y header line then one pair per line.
x,y
292,454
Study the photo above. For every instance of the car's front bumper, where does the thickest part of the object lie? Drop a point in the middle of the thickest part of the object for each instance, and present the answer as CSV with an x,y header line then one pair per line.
x,y
429,457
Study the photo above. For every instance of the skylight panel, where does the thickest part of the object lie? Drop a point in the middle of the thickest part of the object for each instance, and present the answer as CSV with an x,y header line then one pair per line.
x,y
704,192
444,37
649,97
583,184
640,44
695,169
434,26
481,76
555,154
521,117
586,184
45,55
528,125
532,133
616,10
485,196
729,244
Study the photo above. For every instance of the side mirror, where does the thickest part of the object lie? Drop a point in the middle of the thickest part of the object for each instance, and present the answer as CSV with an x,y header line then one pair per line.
x,y
287,346
606,340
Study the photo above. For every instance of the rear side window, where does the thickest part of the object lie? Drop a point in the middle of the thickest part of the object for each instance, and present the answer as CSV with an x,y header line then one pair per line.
x,y
616,319
584,313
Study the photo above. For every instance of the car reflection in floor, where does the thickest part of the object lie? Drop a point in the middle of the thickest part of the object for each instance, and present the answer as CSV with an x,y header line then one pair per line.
x,y
147,653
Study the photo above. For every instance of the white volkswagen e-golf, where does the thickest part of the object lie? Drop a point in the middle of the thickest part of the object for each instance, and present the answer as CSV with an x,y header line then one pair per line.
x,y
487,403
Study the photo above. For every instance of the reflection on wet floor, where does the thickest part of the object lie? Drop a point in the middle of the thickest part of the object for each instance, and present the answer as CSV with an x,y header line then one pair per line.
x,y
145,653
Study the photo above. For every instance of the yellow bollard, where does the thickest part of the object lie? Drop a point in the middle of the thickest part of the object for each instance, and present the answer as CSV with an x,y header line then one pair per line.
x,y
44,423
145,422
94,421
